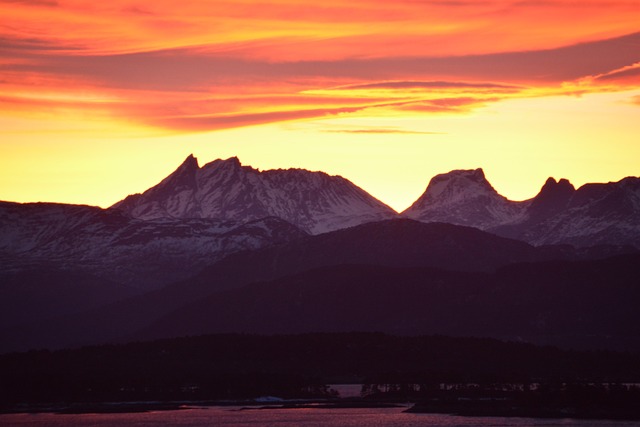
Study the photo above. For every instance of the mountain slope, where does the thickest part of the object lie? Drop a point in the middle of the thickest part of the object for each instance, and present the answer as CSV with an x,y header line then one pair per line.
x,y
395,243
594,214
464,197
43,292
108,244
226,190
57,260
588,304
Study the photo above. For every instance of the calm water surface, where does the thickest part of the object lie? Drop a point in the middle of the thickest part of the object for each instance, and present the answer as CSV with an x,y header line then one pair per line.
x,y
233,416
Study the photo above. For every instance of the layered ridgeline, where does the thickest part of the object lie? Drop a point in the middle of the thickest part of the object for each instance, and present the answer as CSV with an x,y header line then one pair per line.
x,y
226,190
594,214
397,276
315,202
60,259
399,243
72,275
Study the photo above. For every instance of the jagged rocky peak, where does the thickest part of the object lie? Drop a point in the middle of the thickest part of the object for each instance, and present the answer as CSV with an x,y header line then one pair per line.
x,y
553,197
227,190
180,181
186,170
562,187
230,163
190,162
554,192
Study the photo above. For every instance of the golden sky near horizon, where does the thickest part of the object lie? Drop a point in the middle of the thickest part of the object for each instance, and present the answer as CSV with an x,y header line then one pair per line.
x,y
99,100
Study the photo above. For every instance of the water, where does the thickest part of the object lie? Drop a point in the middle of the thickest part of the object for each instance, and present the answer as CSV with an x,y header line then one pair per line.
x,y
233,416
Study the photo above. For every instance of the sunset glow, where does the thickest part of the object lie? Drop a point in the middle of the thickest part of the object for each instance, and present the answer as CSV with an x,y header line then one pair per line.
x,y
101,100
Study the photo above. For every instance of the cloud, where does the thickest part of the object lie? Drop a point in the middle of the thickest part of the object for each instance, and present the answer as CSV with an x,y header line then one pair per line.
x,y
225,121
448,105
196,88
189,68
428,85
629,73
45,3
21,48
51,106
217,122
137,10
382,131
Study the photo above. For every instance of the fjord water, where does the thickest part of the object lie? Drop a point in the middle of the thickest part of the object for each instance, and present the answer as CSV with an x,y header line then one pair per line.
x,y
239,417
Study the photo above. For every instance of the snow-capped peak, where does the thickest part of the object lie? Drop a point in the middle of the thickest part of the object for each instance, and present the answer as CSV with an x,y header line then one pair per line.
x,y
225,189
458,185
463,197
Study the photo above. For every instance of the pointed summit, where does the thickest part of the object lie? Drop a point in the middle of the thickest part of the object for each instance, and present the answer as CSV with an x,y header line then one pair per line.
x,y
233,160
190,162
152,203
183,177
551,186
553,197
462,197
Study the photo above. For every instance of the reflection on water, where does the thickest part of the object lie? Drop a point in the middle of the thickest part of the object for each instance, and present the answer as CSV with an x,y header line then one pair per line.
x,y
234,416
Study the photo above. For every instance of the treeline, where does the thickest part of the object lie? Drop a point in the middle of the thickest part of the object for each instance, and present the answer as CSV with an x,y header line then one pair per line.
x,y
291,366
547,400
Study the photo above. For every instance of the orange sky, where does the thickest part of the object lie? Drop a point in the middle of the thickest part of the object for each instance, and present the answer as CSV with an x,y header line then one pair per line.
x,y
102,99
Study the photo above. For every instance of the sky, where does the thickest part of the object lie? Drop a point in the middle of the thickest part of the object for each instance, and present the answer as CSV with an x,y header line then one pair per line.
x,y
99,100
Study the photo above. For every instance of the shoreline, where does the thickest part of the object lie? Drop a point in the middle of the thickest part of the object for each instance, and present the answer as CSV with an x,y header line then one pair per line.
x,y
245,404
466,408
509,409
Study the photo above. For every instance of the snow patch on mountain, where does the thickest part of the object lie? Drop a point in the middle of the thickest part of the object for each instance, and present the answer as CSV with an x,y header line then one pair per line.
x,y
139,253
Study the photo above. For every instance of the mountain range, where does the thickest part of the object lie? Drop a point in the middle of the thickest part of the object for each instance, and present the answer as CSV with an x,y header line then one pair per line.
x,y
141,254
591,215
209,246
315,202
225,190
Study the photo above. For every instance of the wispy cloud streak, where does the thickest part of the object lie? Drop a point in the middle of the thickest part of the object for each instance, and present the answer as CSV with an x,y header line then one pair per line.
x,y
212,65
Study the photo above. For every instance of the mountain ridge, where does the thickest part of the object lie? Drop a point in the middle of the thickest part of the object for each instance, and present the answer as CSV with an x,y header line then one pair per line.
x,y
109,244
225,189
594,214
